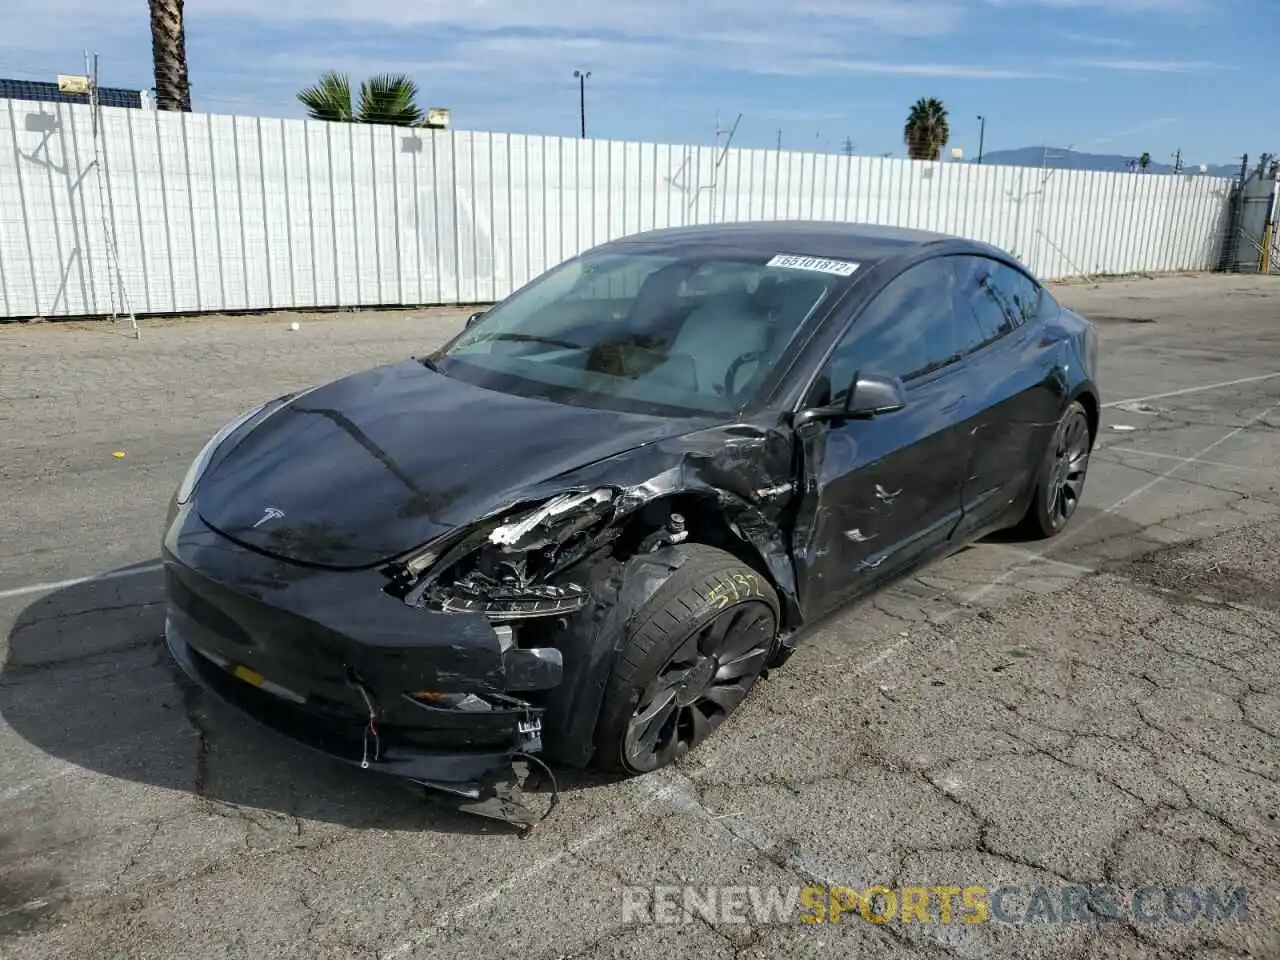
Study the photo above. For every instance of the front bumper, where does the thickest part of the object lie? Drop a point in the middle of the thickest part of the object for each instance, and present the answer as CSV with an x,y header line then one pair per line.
x,y
330,660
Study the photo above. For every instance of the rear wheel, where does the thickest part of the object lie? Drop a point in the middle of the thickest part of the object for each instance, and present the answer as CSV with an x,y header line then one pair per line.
x,y
1060,482
692,654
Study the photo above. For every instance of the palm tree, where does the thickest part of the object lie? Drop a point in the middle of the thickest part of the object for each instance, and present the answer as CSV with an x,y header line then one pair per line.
x,y
169,55
1144,161
927,130
389,98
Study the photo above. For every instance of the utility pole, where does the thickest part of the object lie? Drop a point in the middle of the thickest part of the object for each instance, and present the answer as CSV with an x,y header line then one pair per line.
x,y
582,99
848,146
779,138
725,132
982,134
1046,157
1177,162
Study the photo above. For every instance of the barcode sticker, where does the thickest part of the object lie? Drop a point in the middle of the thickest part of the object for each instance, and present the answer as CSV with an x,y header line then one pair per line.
x,y
841,268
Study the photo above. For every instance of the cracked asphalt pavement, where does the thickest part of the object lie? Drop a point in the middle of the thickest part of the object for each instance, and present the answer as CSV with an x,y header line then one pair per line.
x,y
1101,709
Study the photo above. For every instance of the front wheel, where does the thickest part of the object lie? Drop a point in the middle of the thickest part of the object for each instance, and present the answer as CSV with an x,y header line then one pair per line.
x,y
692,654
1060,481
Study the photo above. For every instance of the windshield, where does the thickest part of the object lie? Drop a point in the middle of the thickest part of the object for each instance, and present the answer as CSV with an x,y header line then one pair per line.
x,y
672,334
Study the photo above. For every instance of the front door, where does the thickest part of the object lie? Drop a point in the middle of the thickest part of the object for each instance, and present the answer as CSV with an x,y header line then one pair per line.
x,y
878,494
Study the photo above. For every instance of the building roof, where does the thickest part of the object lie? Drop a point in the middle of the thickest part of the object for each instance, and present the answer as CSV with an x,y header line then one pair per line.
x,y
48,92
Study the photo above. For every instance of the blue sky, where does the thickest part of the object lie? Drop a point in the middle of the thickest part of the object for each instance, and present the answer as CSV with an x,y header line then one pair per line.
x,y
1105,76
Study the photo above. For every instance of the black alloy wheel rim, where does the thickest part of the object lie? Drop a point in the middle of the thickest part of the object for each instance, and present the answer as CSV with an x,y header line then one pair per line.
x,y
1070,465
710,673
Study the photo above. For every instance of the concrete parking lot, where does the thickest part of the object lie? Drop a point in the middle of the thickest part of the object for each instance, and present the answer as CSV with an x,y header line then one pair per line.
x,y
1103,709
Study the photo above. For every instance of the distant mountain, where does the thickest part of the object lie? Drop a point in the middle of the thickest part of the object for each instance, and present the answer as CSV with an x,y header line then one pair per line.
x,y
1063,159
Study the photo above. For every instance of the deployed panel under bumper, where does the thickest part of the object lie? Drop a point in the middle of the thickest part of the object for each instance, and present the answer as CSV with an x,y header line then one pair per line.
x,y
330,660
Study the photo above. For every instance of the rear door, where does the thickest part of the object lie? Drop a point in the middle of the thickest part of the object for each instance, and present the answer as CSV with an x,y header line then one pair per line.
x,y
1015,386
878,494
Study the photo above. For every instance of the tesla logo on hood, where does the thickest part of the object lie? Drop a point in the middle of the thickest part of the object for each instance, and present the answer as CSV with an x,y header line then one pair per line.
x,y
270,513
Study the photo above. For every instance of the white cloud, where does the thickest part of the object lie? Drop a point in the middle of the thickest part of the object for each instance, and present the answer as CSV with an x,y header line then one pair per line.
x,y
1113,7
726,33
1145,127
1148,66
653,18
514,58
908,69
1094,39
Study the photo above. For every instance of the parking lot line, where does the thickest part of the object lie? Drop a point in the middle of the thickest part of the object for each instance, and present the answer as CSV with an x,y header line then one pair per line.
x,y
1174,456
76,581
1034,557
1083,525
1187,390
612,826
673,791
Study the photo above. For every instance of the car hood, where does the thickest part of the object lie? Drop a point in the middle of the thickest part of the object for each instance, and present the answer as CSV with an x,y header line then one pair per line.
x,y
367,467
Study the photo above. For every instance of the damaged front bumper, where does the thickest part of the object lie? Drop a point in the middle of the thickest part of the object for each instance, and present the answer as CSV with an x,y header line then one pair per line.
x,y
331,660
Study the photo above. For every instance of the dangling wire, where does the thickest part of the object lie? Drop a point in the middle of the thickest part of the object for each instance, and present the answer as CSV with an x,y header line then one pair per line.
x,y
555,787
370,729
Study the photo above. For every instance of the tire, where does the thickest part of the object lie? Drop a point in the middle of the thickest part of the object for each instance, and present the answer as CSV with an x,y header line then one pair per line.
x,y
1060,481
698,646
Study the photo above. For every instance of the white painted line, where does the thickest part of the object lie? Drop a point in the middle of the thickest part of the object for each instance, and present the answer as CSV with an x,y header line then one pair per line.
x,y
1207,463
68,770
1034,557
29,905
612,825
63,769
684,799
76,581
1183,393
1132,495
676,791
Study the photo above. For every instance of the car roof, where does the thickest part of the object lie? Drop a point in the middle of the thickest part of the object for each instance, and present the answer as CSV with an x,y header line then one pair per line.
x,y
864,243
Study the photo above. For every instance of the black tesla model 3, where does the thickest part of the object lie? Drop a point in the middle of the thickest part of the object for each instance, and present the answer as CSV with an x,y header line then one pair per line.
x,y
586,525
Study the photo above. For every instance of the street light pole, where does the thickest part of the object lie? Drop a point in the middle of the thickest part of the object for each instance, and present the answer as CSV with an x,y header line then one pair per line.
x,y
982,134
582,98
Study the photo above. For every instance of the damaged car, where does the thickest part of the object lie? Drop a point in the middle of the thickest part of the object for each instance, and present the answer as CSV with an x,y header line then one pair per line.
x,y
585,527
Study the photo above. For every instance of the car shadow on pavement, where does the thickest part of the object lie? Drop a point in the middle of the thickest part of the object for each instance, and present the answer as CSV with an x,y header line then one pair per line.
x,y
88,680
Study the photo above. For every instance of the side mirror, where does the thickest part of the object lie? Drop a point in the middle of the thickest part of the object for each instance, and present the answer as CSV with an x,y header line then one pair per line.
x,y
474,318
870,395
873,395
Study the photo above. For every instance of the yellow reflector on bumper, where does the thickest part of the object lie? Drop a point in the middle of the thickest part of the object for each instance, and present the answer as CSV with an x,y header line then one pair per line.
x,y
249,676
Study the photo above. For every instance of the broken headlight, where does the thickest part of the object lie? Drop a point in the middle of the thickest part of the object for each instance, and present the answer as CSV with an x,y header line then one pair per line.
x,y
500,568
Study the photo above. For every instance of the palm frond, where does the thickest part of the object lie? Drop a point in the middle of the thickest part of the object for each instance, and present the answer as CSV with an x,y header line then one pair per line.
x,y
330,99
390,98
926,131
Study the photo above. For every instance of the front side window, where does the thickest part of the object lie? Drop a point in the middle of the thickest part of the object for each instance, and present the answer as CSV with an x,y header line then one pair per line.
x,y
908,331
650,332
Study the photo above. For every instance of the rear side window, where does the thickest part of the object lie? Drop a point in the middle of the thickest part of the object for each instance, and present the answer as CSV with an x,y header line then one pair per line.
x,y
994,296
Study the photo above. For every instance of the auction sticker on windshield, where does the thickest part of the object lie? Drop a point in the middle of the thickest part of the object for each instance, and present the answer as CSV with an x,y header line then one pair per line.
x,y
841,268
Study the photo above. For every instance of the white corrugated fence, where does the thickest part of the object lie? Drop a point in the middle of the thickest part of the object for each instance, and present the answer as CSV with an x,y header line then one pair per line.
x,y
214,213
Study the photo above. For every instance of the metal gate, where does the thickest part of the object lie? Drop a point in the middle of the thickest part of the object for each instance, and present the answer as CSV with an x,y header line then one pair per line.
x,y
1271,238
1251,244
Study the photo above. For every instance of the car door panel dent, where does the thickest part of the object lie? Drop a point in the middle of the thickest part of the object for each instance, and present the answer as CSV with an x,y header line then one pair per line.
x,y
885,495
